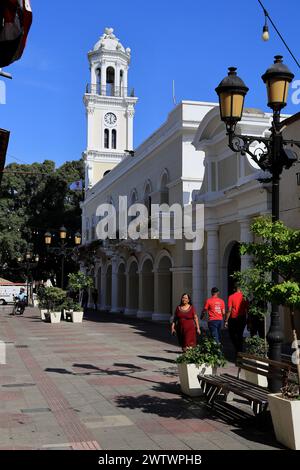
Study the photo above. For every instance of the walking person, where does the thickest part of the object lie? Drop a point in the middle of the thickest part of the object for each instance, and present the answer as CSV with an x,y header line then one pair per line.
x,y
236,318
214,308
185,323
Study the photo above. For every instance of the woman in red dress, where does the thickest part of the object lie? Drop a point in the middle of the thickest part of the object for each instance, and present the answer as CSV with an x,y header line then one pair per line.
x,y
185,323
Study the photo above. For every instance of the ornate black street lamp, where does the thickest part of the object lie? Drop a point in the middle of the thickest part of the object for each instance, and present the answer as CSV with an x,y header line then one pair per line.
x,y
63,250
273,155
28,263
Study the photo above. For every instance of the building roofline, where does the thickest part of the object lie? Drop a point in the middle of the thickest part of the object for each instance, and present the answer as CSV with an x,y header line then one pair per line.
x,y
290,120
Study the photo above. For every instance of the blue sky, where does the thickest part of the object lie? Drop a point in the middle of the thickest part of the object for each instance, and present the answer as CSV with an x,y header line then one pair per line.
x,y
191,41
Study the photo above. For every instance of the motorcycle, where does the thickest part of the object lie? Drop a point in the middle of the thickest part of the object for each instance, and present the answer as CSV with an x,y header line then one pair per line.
x,y
19,307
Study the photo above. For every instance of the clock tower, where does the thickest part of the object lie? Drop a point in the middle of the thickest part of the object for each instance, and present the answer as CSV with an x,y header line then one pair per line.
x,y
109,108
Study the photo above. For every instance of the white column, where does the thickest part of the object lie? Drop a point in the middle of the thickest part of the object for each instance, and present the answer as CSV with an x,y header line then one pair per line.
x,y
103,289
130,116
117,90
198,280
246,236
93,78
129,311
212,258
125,82
114,286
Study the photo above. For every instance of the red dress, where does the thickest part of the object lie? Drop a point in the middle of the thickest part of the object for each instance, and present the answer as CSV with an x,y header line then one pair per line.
x,y
185,327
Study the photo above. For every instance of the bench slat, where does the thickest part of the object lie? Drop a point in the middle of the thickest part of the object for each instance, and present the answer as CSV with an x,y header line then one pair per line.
x,y
283,365
228,384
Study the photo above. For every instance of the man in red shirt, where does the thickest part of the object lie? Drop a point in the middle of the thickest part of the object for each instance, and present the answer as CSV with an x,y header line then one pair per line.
x,y
236,318
215,309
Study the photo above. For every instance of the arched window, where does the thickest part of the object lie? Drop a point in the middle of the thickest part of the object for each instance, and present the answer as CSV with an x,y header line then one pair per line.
x,y
147,202
133,200
121,91
110,81
164,199
106,139
114,139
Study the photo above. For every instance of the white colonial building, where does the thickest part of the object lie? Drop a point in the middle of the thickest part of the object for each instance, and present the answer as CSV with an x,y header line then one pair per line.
x,y
186,161
146,278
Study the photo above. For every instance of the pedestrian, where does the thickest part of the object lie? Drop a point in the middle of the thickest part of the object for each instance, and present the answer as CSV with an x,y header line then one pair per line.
x,y
185,323
236,318
95,298
84,299
214,307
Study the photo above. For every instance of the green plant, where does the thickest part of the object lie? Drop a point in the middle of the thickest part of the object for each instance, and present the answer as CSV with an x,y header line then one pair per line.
x,y
76,307
79,281
52,298
256,346
68,304
206,352
277,250
71,304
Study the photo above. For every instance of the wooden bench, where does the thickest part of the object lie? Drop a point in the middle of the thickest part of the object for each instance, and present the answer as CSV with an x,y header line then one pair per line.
x,y
217,385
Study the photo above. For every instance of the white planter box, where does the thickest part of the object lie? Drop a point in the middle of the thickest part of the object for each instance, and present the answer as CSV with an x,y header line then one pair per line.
x,y
286,420
43,313
256,379
55,317
77,317
188,376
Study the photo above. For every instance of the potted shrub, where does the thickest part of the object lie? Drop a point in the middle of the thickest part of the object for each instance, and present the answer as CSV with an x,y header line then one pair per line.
x,y
53,298
67,307
77,313
42,303
72,311
256,346
277,250
202,359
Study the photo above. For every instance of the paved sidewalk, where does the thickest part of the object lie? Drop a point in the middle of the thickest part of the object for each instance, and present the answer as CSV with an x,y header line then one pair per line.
x,y
109,383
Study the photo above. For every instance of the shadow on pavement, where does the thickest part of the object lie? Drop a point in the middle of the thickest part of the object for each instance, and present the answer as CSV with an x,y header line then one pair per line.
x,y
152,330
156,358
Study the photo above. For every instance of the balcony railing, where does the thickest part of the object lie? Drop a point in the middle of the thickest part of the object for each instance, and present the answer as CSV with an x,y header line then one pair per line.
x,y
108,90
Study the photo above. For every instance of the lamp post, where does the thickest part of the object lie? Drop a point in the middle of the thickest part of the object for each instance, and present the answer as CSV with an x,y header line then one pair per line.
x,y
63,250
28,263
273,155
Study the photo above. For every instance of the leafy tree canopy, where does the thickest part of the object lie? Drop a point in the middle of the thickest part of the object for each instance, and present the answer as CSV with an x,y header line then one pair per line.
x,y
33,199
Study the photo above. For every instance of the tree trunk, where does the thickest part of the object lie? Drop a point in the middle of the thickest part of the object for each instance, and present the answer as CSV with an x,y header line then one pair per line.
x,y
295,338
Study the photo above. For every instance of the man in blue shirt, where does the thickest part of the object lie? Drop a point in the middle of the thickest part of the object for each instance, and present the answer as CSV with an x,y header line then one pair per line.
x,y
21,299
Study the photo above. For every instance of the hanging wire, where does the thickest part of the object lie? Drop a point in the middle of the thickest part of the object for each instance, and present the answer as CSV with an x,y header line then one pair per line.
x,y
267,16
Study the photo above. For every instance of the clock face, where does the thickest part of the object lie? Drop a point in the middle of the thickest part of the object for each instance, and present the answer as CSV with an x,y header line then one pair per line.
x,y
110,119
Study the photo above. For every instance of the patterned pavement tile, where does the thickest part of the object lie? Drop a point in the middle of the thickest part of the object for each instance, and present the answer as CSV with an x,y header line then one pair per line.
x,y
110,382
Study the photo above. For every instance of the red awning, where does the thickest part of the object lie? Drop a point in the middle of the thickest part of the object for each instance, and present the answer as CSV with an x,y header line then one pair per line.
x,y
15,23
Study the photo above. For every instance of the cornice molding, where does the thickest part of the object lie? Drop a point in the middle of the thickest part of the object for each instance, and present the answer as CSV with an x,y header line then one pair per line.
x,y
94,155
94,100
